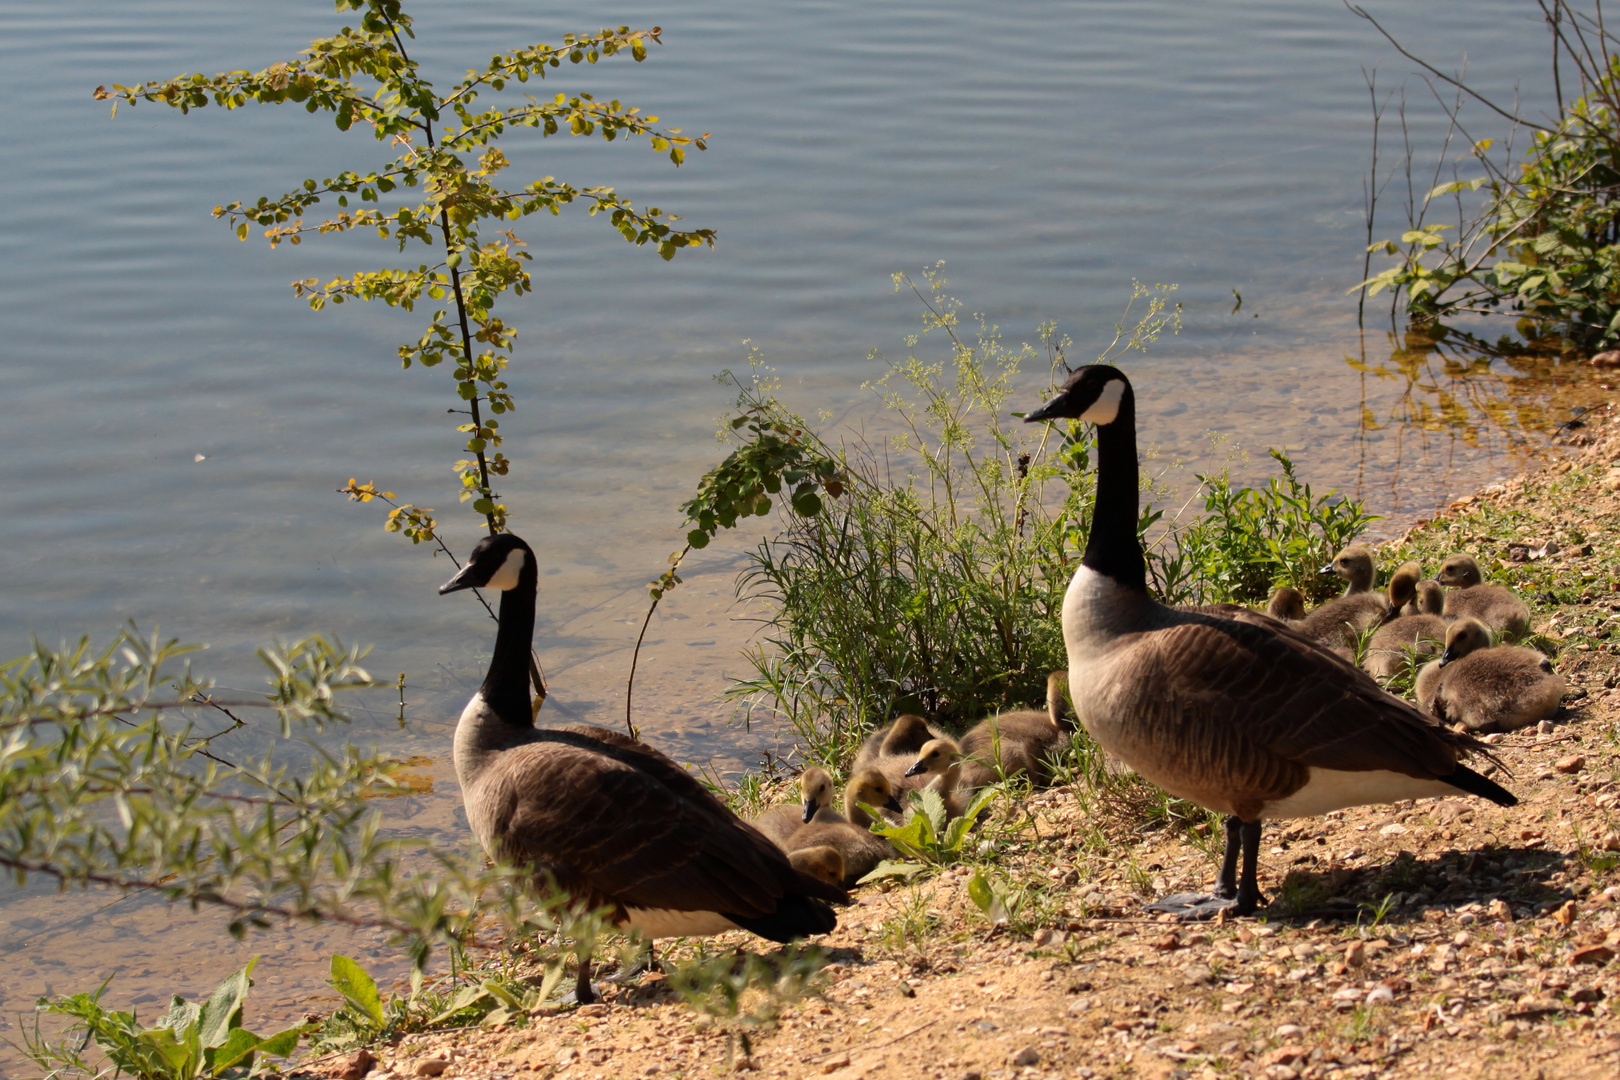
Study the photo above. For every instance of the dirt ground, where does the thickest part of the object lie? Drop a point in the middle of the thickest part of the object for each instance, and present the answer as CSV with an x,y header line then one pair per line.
x,y
1439,938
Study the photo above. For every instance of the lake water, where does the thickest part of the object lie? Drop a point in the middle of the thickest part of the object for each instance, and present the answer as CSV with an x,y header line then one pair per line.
x,y
174,422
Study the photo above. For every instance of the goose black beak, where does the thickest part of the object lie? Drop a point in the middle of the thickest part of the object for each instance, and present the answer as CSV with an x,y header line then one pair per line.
x,y
1328,569
462,580
893,803
1045,412
1447,657
917,769
810,809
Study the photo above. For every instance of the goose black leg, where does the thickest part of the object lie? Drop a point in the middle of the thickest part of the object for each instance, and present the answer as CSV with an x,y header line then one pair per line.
x,y
583,994
1239,896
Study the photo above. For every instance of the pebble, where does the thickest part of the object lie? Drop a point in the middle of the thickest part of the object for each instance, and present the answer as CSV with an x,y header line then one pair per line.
x,y
1572,764
1027,1056
431,1066
1289,1031
1546,727
352,1066
1355,954
1592,954
1380,995
1564,914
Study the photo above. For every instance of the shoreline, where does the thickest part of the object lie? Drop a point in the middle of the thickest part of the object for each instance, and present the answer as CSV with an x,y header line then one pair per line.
x,y
1438,937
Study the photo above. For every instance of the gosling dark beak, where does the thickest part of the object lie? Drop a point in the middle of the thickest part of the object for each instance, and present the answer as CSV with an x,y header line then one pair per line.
x,y
917,769
893,803
1045,412
1447,657
462,580
1328,569
810,809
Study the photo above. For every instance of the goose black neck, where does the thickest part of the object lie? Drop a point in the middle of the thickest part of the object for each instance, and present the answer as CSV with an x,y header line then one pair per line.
x,y
506,687
1112,548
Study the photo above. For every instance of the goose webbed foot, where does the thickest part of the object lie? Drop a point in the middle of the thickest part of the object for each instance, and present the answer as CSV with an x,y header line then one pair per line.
x,y
1198,907
643,963
1231,894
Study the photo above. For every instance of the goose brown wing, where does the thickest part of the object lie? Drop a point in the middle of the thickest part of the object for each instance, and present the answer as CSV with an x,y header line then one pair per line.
x,y
611,823
1247,676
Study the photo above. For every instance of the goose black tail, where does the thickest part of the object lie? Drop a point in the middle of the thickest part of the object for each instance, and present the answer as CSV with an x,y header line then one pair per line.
x,y
795,917
1475,784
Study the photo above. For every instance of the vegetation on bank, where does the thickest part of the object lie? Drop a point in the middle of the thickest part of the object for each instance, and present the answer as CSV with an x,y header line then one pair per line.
x,y
1537,235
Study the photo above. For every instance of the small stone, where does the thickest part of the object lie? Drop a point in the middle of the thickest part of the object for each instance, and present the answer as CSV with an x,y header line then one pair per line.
x,y
1289,1031
973,1074
1592,954
1194,975
1167,943
431,1066
1564,914
352,1066
1500,910
1609,358
1546,727
1043,937
596,1009
1355,954
1380,995
1027,1056
1572,764
834,1063
906,989
1394,828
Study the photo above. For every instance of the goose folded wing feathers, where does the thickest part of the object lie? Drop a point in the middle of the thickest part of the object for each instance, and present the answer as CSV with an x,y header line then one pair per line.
x,y
1261,693
631,834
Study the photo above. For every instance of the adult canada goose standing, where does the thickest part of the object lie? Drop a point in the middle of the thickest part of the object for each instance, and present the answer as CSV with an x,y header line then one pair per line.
x,y
1485,688
602,817
1497,607
1222,706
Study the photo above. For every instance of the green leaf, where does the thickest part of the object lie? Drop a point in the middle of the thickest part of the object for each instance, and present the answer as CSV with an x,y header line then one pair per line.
x,y
359,990
223,1009
889,868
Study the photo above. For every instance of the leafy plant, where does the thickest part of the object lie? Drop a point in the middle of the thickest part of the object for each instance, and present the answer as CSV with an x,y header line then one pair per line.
x,y
929,836
745,992
1543,240
448,147
1251,540
997,899
932,584
191,1041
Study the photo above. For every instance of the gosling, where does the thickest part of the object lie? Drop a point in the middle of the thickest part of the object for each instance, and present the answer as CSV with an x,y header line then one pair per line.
x,y
779,822
1497,607
850,833
1504,688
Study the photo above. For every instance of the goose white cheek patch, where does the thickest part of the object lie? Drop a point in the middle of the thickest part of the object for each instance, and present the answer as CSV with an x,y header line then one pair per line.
x,y
507,576
1106,407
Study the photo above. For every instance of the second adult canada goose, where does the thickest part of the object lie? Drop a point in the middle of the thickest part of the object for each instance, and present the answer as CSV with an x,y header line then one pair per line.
x,y
1220,705
779,821
1497,607
1485,688
850,833
604,818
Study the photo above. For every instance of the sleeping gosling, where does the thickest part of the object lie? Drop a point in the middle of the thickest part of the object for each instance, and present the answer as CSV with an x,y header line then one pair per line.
x,y
1485,688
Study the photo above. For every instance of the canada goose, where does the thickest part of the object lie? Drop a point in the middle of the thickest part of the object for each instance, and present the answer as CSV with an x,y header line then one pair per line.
x,y
1338,624
821,862
1355,565
1401,638
602,817
850,833
1430,599
779,821
1497,607
1483,688
891,749
1286,605
939,768
1220,705
1015,743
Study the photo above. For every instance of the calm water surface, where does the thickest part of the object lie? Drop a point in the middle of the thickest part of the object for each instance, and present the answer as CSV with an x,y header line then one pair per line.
x,y
1048,152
